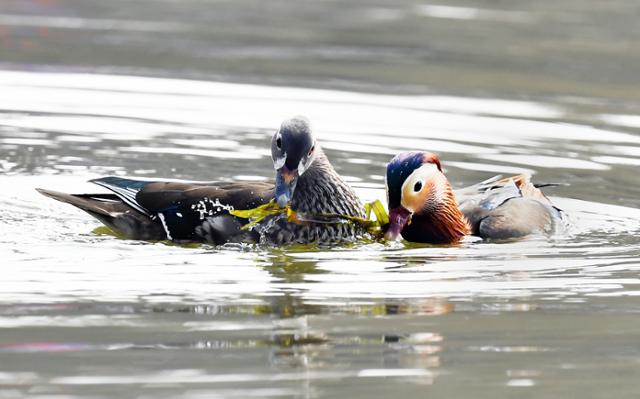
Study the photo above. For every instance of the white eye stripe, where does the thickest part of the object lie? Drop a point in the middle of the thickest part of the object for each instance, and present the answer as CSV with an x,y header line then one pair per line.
x,y
279,162
427,167
423,174
301,167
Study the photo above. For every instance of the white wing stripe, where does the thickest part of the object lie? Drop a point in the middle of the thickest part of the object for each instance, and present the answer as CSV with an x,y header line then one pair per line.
x,y
129,197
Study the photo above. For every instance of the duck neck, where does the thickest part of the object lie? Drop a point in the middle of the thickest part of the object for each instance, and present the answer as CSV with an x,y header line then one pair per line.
x,y
321,190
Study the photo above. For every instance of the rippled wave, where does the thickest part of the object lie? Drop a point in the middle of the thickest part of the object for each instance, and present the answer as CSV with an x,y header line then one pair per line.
x,y
67,291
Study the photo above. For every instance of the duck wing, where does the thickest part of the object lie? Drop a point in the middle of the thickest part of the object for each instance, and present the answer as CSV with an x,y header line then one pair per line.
x,y
179,211
509,208
190,211
150,197
470,192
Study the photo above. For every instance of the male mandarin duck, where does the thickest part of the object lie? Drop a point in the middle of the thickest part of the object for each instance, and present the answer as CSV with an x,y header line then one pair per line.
x,y
423,206
199,212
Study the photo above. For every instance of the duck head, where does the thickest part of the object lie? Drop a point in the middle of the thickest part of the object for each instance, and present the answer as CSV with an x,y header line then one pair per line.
x,y
422,207
293,152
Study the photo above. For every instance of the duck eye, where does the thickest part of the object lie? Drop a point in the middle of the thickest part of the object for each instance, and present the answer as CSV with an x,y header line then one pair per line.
x,y
417,187
279,142
313,147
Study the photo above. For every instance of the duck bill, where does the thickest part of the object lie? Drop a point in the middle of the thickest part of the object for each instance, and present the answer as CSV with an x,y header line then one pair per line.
x,y
398,218
285,185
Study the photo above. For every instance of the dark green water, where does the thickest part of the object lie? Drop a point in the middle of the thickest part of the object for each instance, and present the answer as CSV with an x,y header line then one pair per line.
x,y
194,89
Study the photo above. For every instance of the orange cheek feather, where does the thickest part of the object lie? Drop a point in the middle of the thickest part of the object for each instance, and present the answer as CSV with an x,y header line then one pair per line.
x,y
416,201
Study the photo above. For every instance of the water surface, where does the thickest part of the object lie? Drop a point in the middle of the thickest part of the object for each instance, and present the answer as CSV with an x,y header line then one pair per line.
x,y
88,315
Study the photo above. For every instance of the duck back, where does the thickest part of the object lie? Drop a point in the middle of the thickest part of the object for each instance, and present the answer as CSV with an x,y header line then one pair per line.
x,y
510,208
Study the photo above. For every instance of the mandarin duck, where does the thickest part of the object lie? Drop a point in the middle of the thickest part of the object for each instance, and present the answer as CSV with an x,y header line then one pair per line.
x,y
424,208
199,212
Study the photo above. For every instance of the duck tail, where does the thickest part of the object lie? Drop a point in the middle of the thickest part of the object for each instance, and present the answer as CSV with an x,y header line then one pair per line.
x,y
95,204
113,213
101,206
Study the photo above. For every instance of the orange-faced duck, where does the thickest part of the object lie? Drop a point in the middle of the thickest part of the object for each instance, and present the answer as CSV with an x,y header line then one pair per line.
x,y
306,183
424,208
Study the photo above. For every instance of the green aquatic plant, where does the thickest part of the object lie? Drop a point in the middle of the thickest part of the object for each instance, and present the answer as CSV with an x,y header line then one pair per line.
x,y
374,227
